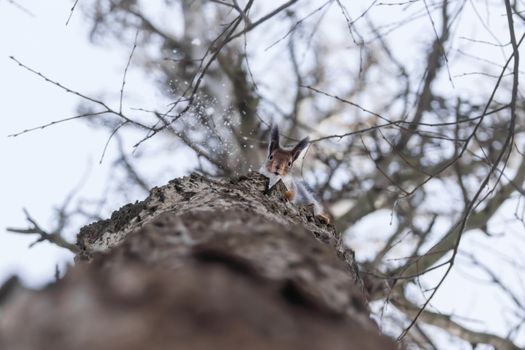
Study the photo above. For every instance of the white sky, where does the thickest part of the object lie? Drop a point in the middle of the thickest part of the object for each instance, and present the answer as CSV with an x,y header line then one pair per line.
x,y
42,167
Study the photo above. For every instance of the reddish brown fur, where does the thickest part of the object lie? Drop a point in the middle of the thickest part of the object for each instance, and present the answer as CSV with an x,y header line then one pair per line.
x,y
279,162
324,218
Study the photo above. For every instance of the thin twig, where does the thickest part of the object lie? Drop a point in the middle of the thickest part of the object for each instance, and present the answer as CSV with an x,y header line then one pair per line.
x,y
71,12
54,237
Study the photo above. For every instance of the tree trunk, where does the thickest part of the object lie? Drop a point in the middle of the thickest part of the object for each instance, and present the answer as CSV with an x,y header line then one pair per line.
x,y
201,264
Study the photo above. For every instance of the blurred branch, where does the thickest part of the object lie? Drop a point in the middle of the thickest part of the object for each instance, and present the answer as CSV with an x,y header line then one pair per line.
x,y
496,279
458,229
129,168
213,52
53,237
21,8
432,67
479,219
419,265
262,19
447,323
126,71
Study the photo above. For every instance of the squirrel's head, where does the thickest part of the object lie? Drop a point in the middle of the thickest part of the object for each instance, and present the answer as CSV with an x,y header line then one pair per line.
x,y
279,160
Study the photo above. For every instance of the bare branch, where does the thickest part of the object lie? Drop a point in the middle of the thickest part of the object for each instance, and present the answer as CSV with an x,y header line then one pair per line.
x,y
71,12
53,237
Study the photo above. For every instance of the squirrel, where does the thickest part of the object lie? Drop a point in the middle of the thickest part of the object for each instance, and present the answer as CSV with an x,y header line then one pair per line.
x,y
278,166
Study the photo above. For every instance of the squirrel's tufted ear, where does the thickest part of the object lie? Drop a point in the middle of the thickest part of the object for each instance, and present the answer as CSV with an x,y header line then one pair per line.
x,y
274,139
296,151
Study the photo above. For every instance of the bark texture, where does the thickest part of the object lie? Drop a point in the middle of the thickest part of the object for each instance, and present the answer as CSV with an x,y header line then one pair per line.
x,y
201,264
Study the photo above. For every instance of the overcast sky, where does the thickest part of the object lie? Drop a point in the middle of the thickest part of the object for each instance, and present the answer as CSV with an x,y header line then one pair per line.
x,y
42,167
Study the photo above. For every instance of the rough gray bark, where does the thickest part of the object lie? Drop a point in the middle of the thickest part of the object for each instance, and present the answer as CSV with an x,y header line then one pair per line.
x,y
201,264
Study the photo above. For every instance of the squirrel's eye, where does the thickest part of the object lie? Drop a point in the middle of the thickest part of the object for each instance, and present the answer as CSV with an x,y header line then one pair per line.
x,y
289,163
270,157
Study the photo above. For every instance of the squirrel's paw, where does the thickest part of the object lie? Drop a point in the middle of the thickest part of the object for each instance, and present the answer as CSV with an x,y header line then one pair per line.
x,y
288,195
324,218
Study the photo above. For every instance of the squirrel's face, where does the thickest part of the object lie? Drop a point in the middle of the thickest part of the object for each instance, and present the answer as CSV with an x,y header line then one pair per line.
x,y
279,162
